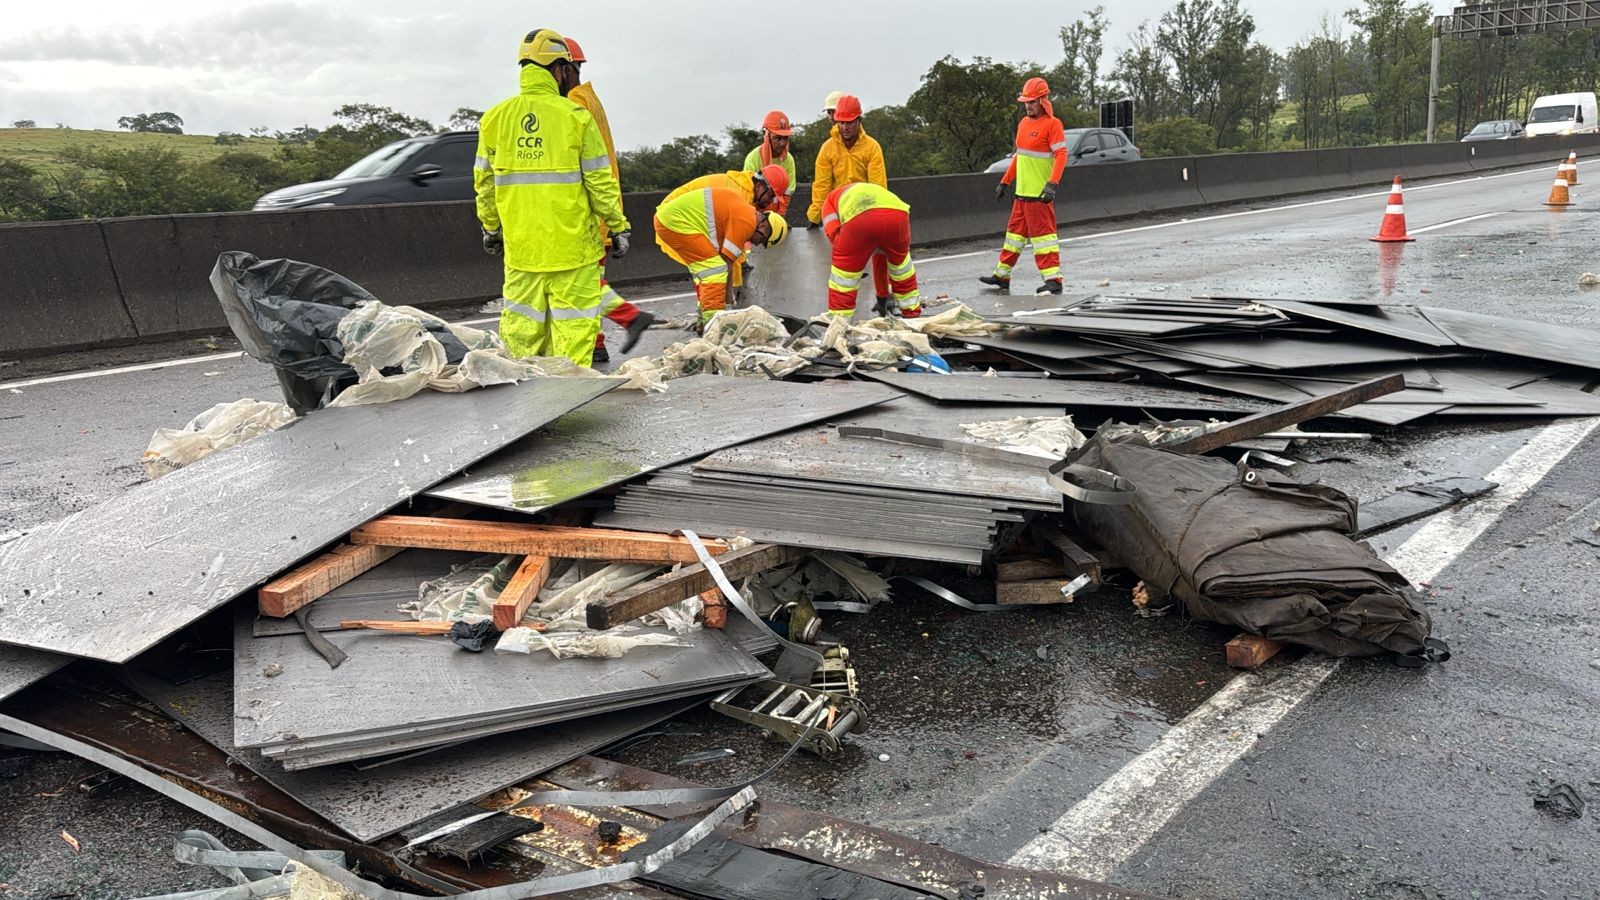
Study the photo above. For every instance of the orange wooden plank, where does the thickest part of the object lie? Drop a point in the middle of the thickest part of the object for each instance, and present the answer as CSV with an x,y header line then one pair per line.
x,y
555,541
716,609
521,591
1249,651
287,593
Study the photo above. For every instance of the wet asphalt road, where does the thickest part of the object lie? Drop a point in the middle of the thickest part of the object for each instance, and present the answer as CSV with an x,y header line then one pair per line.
x,y
1384,783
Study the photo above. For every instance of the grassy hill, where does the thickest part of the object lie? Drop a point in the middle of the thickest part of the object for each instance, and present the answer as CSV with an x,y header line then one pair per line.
x,y
41,147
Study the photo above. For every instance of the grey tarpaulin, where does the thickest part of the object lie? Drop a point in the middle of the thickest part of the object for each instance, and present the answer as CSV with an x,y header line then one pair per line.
x,y
287,313
1254,549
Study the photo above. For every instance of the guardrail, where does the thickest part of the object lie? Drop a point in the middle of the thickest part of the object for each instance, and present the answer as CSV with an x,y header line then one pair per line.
x,y
65,285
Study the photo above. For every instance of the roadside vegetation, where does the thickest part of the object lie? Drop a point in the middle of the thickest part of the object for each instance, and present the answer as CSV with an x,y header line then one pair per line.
x,y
1199,79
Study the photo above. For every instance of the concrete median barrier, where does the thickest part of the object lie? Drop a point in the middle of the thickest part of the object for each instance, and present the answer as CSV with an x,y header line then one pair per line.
x,y
1374,165
1127,189
1434,160
1231,177
58,289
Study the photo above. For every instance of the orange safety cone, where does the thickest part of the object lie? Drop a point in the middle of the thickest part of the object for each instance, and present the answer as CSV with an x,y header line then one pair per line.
x,y
1572,167
1394,217
1558,191
1564,171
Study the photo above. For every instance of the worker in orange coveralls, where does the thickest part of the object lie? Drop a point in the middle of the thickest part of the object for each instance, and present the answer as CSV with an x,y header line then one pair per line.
x,y
707,231
633,320
865,221
850,156
1036,169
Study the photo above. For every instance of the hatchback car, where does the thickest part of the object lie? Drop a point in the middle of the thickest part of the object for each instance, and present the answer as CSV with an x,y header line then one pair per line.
x,y
415,170
1088,146
1496,130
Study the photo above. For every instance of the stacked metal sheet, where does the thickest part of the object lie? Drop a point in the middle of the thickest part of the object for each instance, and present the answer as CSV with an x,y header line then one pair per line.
x,y
814,488
1283,351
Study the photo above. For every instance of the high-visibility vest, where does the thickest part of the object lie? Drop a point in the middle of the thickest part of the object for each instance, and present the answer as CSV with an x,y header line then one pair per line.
x,y
741,183
584,96
725,218
1041,154
542,176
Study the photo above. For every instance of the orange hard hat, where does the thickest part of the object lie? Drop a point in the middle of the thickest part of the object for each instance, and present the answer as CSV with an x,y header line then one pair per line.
x,y
575,50
848,110
1035,89
777,123
776,178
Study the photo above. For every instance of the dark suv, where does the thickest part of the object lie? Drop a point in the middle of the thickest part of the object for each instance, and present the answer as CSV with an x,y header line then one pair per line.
x,y
415,170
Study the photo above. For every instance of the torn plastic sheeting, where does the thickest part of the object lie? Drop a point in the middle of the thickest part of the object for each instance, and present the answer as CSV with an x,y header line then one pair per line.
x,y
748,342
612,644
847,583
1053,434
218,428
732,803
1253,549
467,594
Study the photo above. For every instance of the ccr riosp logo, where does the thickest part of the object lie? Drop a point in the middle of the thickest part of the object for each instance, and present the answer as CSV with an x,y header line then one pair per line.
x,y
530,123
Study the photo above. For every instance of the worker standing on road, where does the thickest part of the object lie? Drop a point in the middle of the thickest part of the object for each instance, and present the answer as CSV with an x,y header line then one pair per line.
x,y
774,151
542,176
1040,158
707,230
865,221
850,156
633,320
764,190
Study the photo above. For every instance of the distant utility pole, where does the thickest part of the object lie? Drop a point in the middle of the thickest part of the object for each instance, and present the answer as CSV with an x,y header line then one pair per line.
x,y
1505,17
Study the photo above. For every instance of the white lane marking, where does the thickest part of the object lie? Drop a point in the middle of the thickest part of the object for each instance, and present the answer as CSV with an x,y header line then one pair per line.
x,y
1488,215
932,259
121,370
1247,212
487,319
1104,830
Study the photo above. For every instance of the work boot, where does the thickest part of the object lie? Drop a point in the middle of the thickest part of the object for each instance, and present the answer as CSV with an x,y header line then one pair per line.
x,y
600,354
997,281
1049,287
636,329
882,309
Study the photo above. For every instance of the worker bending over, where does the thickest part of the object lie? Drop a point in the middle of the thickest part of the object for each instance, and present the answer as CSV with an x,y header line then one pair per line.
x,y
865,221
706,230
774,151
543,179
633,320
850,156
763,190
1036,168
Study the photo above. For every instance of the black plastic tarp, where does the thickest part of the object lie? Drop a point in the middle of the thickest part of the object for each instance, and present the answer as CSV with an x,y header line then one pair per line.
x,y
1254,549
287,313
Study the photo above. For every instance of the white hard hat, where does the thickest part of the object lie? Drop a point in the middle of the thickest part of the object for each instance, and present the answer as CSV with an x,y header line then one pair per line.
x,y
832,102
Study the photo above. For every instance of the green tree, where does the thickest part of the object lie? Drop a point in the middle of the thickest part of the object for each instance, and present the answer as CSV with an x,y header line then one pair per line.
x,y
671,164
465,118
970,108
23,123
1142,73
1398,38
1182,136
155,122
228,138
1076,78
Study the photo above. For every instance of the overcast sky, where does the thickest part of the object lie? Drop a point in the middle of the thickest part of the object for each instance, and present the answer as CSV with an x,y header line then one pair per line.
x,y
662,69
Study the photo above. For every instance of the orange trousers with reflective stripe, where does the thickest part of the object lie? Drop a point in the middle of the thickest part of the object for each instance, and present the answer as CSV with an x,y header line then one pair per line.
x,y
1031,219
881,235
711,295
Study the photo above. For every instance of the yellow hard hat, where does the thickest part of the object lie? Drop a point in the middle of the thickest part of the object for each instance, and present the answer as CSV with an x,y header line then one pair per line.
x,y
543,46
779,229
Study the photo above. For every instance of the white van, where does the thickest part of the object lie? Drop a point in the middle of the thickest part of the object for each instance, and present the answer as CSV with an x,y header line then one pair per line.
x,y
1564,114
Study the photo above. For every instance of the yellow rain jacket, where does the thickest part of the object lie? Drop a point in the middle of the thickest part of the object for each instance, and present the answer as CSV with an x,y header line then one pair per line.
x,y
838,165
543,176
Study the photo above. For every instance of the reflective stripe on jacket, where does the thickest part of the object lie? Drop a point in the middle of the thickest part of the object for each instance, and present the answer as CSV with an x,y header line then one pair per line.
x,y
1041,155
725,218
741,183
543,176
851,200
840,165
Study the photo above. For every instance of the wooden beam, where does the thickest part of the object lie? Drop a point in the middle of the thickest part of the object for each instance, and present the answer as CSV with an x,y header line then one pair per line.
x,y
686,582
1037,592
556,541
1027,570
716,609
521,591
1254,426
1249,651
1074,558
430,627
287,593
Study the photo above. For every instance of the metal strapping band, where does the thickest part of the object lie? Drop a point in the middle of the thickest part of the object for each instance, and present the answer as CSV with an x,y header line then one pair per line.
x,y
538,887
1086,484
595,163
956,598
1036,154
790,648
511,178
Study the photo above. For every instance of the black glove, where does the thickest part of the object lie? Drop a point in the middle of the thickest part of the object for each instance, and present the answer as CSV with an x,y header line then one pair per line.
x,y
1048,195
1000,192
619,243
493,243
813,226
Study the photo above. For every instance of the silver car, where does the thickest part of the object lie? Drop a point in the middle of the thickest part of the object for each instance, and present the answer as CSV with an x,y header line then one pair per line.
x,y
1087,146
1496,130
